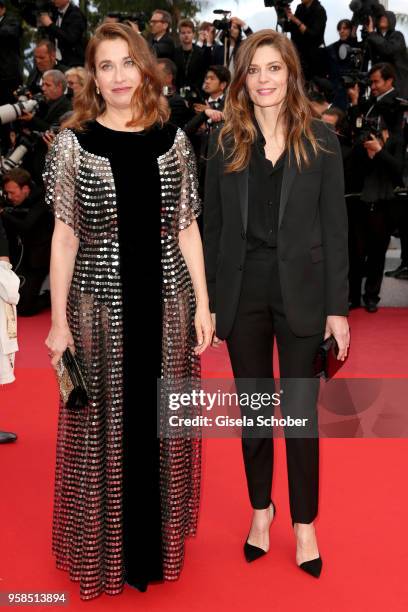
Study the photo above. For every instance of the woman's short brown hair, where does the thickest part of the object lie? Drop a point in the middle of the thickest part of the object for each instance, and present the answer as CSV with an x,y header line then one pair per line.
x,y
149,105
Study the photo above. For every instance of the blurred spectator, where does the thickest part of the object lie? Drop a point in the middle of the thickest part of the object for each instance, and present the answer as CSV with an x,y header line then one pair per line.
x,y
75,80
238,31
191,61
29,225
307,27
47,118
209,116
318,102
377,162
67,29
382,102
53,87
160,39
44,59
180,111
207,38
386,44
338,67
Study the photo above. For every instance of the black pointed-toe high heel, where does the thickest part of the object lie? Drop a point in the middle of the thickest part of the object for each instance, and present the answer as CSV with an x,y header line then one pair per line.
x,y
251,552
312,567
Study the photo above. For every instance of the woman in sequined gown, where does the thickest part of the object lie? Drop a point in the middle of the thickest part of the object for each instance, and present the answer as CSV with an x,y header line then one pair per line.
x,y
126,251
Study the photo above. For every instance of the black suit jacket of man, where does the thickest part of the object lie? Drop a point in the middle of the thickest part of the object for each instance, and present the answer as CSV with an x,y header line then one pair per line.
x,y
52,114
199,62
311,241
4,250
34,224
71,35
10,34
164,47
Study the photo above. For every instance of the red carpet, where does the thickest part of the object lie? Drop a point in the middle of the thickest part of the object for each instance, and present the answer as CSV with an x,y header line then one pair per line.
x,y
361,526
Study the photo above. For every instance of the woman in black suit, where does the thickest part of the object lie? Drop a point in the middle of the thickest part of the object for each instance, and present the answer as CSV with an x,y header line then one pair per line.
x,y
275,233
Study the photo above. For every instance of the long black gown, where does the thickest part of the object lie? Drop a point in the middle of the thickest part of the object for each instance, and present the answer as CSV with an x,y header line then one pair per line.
x,y
140,505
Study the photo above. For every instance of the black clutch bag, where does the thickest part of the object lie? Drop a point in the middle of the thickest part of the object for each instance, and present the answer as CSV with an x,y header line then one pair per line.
x,y
326,364
71,382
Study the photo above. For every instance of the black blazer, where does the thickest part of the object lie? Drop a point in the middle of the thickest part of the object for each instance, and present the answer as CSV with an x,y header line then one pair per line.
x,y
312,238
199,62
164,47
10,35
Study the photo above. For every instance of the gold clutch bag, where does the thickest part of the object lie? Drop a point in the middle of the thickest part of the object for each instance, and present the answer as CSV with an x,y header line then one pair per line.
x,y
72,386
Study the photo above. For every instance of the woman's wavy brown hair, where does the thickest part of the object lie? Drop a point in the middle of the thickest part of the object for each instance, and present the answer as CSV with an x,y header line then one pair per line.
x,y
149,105
297,113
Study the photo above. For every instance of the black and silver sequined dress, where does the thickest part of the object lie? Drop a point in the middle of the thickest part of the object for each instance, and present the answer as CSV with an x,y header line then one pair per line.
x,y
125,500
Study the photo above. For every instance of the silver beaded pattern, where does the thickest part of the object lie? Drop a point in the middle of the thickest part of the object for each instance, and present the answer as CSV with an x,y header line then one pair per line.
x,y
87,518
180,460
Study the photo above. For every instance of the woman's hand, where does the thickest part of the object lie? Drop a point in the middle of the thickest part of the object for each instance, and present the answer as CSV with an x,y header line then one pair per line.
x,y
338,327
59,338
215,341
204,329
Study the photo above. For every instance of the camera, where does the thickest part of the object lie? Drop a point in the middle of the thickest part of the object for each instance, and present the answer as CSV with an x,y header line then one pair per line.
x,y
190,94
139,18
10,112
366,127
279,6
355,55
363,9
224,24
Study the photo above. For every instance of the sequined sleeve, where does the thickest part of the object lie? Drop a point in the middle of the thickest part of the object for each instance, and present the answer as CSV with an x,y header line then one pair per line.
x,y
190,204
59,178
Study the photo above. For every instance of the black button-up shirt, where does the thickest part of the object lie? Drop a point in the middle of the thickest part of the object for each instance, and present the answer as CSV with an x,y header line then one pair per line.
x,y
265,182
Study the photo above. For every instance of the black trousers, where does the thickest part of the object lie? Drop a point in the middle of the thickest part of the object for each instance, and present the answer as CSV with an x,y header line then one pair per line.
x,y
260,318
369,237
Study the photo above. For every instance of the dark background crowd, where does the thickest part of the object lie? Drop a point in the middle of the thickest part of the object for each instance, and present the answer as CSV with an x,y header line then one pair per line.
x,y
358,85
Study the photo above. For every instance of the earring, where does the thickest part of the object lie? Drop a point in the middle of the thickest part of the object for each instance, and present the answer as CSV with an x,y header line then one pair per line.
x,y
97,90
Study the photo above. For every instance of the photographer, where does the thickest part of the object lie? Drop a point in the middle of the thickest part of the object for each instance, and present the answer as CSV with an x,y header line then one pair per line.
x,y
29,225
232,38
338,67
48,117
378,157
209,116
10,72
307,27
160,39
382,102
67,29
44,59
191,61
385,44
207,38
180,112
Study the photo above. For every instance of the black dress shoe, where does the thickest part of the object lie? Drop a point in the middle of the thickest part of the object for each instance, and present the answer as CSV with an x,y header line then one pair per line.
x,y
354,305
401,272
312,567
251,552
7,436
371,307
